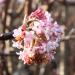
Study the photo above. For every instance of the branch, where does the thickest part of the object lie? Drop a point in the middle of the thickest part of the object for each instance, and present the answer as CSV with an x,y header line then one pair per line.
x,y
6,36
68,38
8,54
9,36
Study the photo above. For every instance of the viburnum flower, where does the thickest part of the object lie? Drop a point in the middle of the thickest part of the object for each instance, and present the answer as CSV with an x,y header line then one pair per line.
x,y
39,37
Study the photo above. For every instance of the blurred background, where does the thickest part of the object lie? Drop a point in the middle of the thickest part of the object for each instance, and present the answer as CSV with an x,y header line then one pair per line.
x,y
11,15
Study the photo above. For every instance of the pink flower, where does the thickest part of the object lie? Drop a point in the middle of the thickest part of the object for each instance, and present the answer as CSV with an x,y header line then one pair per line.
x,y
23,27
49,19
39,14
17,32
17,44
25,56
39,39
29,36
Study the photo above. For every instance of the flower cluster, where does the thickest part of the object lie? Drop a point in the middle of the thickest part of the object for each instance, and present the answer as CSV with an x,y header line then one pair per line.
x,y
39,37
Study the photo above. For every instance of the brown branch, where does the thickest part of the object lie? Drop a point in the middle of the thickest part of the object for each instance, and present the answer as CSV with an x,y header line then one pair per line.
x,y
68,38
8,36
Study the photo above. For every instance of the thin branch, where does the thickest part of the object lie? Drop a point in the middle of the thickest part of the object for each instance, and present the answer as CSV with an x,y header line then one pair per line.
x,y
9,36
68,38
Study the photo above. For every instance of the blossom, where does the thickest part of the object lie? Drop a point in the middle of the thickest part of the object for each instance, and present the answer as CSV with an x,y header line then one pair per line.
x,y
38,28
39,38
25,56
17,44
23,28
17,32
39,14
